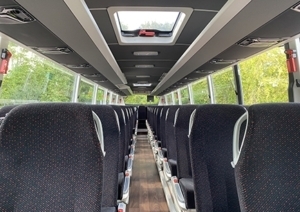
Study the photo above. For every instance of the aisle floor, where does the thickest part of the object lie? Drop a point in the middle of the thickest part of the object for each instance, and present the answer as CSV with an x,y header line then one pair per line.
x,y
146,193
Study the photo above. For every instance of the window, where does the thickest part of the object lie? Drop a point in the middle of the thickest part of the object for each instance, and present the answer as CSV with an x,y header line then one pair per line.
x,y
176,98
185,98
32,78
108,98
169,99
224,87
150,20
265,77
138,25
100,96
200,91
85,92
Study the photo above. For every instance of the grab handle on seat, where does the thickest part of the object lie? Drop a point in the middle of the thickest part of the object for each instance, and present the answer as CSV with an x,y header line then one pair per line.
x,y
236,138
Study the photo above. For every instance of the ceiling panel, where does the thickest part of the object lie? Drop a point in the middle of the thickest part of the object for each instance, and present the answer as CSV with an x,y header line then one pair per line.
x,y
27,34
103,21
145,71
199,4
165,52
196,23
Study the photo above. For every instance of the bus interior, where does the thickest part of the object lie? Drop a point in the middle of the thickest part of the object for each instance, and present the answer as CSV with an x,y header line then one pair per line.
x,y
127,105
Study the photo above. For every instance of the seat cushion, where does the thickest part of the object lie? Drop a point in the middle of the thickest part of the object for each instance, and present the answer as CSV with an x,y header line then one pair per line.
x,y
164,152
120,185
173,167
187,188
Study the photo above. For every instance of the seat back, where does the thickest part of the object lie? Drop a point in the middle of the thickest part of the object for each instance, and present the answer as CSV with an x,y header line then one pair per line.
x,y
181,131
111,134
267,171
169,133
6,109
50,159
122,138
211,155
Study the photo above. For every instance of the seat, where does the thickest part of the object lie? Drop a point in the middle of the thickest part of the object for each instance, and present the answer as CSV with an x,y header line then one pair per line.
x,y
267,170
121,166
6,109
170,166
51,159
184,172
112,142
211,155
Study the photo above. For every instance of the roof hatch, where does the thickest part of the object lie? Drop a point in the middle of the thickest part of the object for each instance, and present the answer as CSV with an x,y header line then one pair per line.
x,y
148,25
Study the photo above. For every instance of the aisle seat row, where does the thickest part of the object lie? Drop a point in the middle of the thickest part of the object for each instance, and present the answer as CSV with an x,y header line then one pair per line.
x,y
66,157
228,157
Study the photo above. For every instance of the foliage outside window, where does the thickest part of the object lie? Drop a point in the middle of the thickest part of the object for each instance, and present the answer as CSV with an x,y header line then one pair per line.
x,y
100,95
139,100
32,78
265,78
176,98
224,87
200,92
85,92
169,99
185,98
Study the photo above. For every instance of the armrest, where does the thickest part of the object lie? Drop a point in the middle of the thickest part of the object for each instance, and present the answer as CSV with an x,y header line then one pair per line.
x,y
125,198
178,193
166,169
121,207
129,165
164,152
173,167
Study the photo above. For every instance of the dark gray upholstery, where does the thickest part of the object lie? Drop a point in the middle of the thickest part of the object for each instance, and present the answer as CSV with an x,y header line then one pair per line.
x,y
181,131
50,159
268,170
170,139
162,126
184,172
121,165
211,155
111,145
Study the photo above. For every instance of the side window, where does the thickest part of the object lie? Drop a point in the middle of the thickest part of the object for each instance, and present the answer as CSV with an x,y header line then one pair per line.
x,y
200,92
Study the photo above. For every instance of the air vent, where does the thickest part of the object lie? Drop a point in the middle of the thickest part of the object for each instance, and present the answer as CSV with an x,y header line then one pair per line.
x,y
84,65
101,81
204,71
53,50
92,75
14,15
260,42
296,8
218,61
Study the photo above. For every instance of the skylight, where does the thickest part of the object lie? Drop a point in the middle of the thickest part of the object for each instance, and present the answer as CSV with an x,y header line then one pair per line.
x,y
151,20
148,25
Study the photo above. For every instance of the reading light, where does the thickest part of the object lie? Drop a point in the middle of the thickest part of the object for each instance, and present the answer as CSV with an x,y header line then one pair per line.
x,y
144,66
142,76
142,84
145,53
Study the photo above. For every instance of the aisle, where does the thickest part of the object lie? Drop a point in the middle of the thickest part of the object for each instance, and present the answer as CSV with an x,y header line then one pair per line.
x,y
146,193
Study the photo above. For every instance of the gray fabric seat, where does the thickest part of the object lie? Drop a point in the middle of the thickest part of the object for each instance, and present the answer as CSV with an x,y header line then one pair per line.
x,y
211,155
112,141
184,172
50,159
268,169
